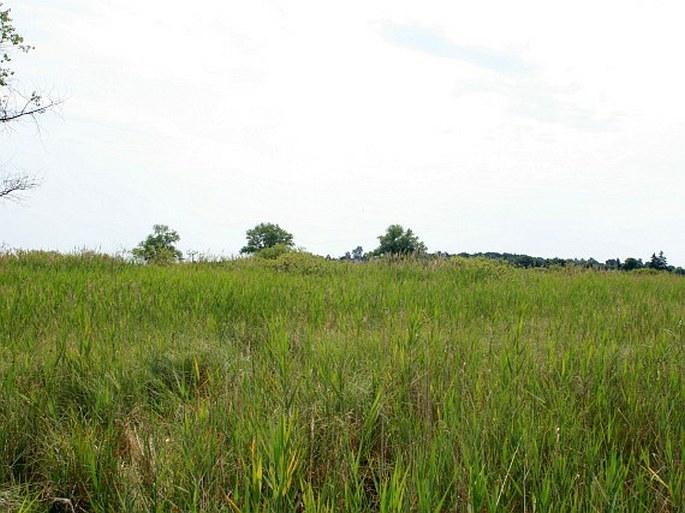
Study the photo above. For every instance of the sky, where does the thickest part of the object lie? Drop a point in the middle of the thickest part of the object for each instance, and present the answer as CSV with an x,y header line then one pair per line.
x,y
536,127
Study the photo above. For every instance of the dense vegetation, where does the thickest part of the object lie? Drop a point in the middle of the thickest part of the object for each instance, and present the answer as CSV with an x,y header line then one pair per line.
x,y
655,263
269,240
300,384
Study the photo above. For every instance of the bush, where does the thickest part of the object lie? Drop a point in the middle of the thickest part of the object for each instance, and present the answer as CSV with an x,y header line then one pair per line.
x,y
300,263
273,252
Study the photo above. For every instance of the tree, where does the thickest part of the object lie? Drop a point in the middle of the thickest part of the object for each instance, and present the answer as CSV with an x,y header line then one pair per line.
x,y
631,263
397,241
356,255
525,261
266,235
658,262
613,263
15,105
159,247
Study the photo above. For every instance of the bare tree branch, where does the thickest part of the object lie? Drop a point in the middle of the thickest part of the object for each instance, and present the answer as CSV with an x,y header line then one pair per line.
x,y
26,112
12,185
14,105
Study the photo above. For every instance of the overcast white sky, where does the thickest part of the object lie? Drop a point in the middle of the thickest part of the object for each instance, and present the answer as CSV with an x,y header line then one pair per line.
x,y
538,127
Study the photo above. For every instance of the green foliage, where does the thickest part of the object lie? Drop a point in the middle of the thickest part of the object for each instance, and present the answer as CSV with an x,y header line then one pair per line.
x,y
256,385
14,105
9,39
396,241
300,263
631,264
356,255
158,247
266,235
658,262
273,252
613,263
646,270
284,259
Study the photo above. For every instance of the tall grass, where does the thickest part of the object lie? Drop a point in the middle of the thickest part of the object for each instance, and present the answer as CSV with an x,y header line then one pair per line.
x,y
305,385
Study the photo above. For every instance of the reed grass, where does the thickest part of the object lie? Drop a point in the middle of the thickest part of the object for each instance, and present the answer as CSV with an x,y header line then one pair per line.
x,y
301,384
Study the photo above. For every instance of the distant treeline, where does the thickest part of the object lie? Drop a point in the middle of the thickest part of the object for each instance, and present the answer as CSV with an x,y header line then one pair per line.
x,y
270,241
657,262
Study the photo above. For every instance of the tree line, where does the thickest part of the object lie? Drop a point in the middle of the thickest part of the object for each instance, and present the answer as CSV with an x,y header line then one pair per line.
x,y
657,262
269,241
266,240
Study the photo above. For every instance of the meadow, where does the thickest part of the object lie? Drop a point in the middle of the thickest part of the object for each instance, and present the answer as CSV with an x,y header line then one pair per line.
x,y
300,384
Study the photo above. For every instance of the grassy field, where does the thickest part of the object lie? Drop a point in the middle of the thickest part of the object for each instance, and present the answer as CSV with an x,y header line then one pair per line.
x,y
305,385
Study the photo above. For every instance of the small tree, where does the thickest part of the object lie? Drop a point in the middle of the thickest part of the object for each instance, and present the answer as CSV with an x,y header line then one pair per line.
x,y
266,235
658,262
358,253
159,247
397,241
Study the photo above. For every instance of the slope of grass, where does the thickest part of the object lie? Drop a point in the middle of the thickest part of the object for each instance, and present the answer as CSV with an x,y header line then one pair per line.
x,y
305,385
